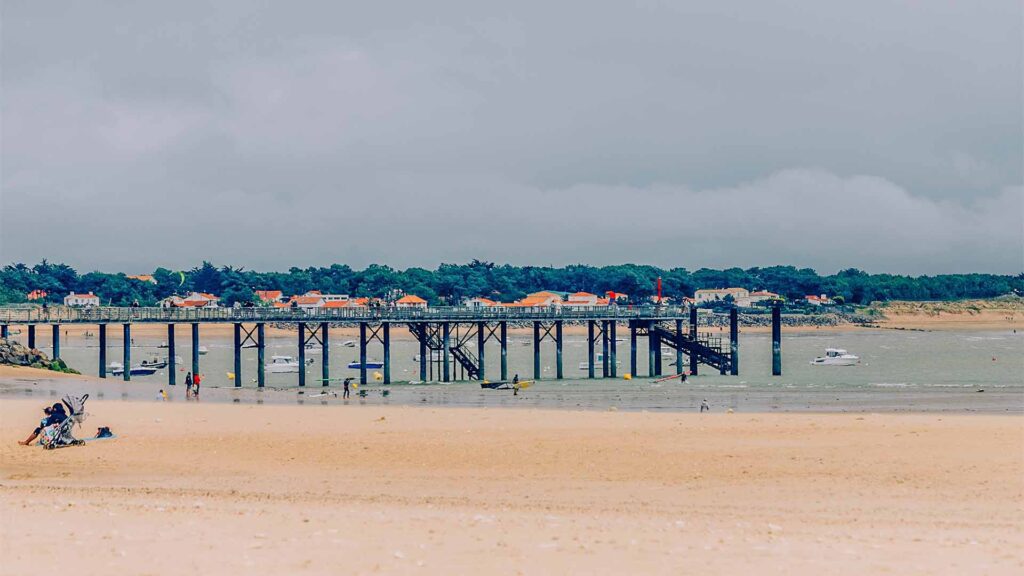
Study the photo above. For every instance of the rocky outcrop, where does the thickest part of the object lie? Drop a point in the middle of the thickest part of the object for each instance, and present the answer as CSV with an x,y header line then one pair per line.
x,y
14,354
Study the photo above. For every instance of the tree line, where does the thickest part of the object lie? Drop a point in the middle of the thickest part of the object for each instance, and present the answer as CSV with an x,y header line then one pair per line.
x,y
451,283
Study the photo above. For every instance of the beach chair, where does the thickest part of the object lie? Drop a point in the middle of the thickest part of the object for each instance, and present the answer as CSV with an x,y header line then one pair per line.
x,y
61,435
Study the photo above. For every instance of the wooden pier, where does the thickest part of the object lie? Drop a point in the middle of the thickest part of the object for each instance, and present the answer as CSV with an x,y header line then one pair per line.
x,y
445,336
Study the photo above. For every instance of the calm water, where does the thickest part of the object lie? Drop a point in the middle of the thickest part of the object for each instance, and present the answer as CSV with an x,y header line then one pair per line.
x,y
900,371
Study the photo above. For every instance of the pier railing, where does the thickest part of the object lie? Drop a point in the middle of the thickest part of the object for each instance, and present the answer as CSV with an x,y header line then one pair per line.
x,y
113,315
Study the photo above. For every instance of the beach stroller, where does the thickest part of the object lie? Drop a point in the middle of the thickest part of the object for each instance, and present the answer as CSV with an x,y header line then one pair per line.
x,y
60,435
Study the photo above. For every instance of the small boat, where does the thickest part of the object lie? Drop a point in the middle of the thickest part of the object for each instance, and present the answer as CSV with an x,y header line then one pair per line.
x,y
155,364
349,343
163,345
598,362
370,365
836,357
203,350
117,369
285,364
249,345
500,385
310,346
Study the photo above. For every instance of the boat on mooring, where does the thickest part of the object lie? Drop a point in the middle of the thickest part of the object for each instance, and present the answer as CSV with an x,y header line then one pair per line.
x,y
598,362
370,365
117,369
285,364
836,357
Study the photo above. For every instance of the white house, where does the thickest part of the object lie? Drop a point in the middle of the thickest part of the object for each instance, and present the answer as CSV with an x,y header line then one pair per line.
x,y
713,294
822,300
192,300
89,299
479,302
582,299
755,297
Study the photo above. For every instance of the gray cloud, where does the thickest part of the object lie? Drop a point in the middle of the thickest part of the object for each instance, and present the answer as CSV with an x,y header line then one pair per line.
x,y
882,135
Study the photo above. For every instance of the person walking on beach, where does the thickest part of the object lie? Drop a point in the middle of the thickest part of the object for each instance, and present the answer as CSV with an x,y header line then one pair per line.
x,y
704,406
188,385
195,385
682,378
161,395
345,393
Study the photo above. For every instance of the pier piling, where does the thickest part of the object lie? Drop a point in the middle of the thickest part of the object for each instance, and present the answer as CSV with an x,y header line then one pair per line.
x,y
126,351
693,336
446,345
605,351
362,352
776,341
734,342
325,353
238,355
302,354
657,353
386,336
3,332
536,351
679,349
32,336
103,350
195,348
503,331
590,349
653,353
481,329
261,359
632,349
55,333
612,345
558,349
172,363
424,355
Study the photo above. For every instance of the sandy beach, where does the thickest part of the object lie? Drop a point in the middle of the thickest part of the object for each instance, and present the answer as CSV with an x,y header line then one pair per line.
x,y
221,488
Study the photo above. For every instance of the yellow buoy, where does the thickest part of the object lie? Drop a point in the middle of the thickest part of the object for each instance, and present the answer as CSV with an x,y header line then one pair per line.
x,y
627,377
378,376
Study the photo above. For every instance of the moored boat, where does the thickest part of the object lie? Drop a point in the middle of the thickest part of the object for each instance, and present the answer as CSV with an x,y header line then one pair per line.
x,y
836,357
370,364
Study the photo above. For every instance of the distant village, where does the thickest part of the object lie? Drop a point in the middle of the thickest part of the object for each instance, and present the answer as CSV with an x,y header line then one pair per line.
x,y
740,297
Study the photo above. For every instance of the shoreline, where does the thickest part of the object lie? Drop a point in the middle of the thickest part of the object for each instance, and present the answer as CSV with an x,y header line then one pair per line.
x,y
304,490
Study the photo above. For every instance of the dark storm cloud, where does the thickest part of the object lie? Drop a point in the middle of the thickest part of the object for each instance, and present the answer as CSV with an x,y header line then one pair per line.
x,y
884,135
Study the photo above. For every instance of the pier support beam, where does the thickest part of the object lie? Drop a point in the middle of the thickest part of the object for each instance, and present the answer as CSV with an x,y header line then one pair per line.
x,y
32,336
656,346
195,348
446,344
302,354
3,332
481,328
605,351
362,352
536,351
325,354
172,363
734,342
776,341
261,358
653,353
693,336
503,332
558,349
103,350
612,363
424,354
126,352
590,349
386,340
238,355
632,349
679,349
55,332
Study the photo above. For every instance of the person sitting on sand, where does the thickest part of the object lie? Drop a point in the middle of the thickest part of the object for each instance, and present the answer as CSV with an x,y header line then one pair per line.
x,y
54,415
704,405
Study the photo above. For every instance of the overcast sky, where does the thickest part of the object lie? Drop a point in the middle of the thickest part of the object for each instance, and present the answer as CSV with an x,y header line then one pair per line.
x,y
878,134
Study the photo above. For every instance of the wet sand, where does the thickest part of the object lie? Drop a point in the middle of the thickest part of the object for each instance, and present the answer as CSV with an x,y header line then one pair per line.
x,y
221,488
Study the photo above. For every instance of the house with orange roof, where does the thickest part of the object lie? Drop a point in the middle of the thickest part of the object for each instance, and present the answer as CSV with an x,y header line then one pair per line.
x,y
822,300
81,300
410,301
757,296
269,296
143,278
582,299
192,300
538,300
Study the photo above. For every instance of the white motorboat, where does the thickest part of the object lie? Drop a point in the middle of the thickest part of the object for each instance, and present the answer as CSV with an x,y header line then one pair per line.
x,y
117,369
203,350
836,357
349,343
285,364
